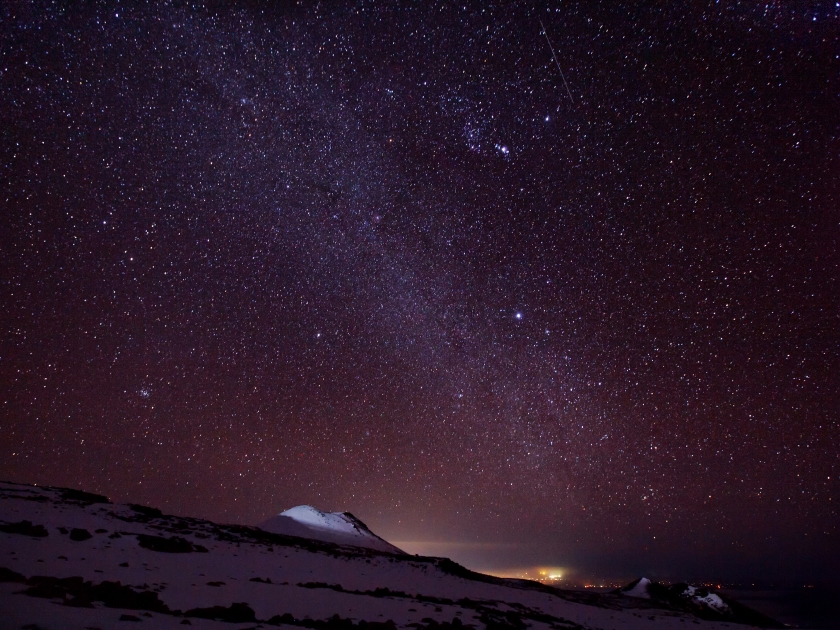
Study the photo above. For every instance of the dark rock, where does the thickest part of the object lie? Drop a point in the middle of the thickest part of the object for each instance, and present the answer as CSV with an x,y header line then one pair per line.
x,y
338,623
176,544
53,588
146,511
215,583
129,618
7,575
235,613
79,534
333,587
24,527
112,594
46,591
79,496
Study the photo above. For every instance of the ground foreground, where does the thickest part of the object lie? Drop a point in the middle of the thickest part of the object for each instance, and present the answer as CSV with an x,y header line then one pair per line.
x,y
70,559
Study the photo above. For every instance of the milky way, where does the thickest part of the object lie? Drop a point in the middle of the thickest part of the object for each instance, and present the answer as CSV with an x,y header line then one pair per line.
x,y
382,260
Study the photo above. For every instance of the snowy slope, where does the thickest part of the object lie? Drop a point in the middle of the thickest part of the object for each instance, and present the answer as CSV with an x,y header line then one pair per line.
x,y
337,527
73,560
639,588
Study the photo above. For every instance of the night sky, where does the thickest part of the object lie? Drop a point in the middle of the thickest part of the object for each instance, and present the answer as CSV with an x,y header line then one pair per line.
x,y
381,259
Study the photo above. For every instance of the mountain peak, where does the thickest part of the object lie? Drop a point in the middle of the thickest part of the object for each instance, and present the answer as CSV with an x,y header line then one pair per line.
x,y
338,527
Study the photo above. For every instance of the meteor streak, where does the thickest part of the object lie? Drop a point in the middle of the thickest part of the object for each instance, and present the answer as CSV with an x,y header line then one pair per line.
x,y
568,91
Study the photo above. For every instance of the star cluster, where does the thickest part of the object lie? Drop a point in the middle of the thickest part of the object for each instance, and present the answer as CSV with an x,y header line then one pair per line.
x,y
379,259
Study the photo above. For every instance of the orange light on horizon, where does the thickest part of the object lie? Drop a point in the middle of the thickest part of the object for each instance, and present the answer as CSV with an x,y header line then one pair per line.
x,y
538,574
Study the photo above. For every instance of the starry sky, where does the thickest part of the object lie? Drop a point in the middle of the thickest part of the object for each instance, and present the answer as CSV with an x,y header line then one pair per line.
x,y
398,260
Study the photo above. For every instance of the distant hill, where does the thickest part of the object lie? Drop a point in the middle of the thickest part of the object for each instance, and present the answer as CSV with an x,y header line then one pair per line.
x,y
697,600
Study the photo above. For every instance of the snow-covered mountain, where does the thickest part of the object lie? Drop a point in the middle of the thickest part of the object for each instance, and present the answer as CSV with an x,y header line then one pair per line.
x,y
337,527
74,560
